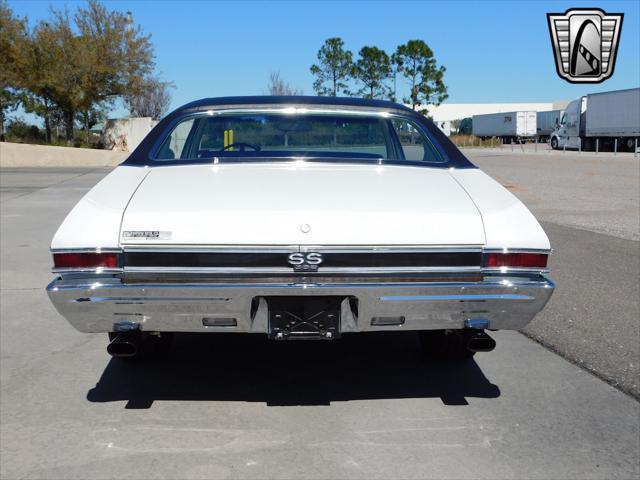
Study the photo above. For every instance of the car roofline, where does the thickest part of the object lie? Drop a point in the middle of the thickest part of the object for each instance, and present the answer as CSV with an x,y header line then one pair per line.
x,y
293,100
452,156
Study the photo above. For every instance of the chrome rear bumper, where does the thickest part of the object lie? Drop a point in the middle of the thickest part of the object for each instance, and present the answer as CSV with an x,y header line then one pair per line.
x,y
103,304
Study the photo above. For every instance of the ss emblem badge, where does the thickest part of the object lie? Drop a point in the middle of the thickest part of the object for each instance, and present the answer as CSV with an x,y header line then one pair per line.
x,y
305,262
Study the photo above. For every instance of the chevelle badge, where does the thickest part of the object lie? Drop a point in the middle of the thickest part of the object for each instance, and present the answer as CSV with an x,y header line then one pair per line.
x,y
146,235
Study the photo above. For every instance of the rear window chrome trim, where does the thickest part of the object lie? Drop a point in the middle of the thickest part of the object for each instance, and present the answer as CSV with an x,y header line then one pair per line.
x,y
384,114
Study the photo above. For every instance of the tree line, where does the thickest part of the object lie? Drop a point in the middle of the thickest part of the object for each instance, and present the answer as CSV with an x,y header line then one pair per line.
x,y
70,69
374,73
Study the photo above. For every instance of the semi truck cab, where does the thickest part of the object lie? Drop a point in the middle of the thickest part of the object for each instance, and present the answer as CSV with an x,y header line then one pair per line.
x,y
567,133
607,120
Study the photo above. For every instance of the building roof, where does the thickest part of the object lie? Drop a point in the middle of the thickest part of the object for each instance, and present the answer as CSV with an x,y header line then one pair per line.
x,y
458,111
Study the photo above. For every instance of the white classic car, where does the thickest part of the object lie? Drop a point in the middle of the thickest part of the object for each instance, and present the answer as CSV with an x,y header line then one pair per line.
x,y
299,218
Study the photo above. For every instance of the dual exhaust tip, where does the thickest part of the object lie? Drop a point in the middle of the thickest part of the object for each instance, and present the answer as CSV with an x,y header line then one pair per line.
x,y
124,346
480,342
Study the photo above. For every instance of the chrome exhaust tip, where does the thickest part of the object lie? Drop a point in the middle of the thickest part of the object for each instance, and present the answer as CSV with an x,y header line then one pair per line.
x,y
480,342
123,346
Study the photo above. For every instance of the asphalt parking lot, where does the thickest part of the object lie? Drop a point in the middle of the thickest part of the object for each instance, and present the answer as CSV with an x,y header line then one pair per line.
x,y
365,407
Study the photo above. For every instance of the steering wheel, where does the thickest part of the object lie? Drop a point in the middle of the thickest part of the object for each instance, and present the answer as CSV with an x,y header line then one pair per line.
x,y
242,146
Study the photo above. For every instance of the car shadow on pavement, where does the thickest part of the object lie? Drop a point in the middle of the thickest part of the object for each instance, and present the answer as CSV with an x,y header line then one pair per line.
x,y
250,368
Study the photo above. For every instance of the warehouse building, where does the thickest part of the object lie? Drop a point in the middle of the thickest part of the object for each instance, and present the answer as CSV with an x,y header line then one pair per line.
x,y
457,111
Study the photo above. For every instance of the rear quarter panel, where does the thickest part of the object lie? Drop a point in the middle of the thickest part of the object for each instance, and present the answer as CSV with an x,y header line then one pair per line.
x,y
95,221
508,223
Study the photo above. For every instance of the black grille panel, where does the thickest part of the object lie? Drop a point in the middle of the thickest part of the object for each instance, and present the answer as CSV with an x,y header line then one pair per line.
x,y
401,259
205,259
280,259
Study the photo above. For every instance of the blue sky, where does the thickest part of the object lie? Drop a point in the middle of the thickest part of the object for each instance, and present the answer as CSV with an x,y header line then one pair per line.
x,y
493,51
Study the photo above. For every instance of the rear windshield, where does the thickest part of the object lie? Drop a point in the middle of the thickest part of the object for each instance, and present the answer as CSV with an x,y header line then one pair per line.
x,y
281,135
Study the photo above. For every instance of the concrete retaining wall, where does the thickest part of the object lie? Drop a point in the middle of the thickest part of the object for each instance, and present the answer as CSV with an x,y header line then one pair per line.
x,y
125,134
23,155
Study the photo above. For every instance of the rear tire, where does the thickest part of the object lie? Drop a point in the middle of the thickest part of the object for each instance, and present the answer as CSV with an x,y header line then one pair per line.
x,y
445,345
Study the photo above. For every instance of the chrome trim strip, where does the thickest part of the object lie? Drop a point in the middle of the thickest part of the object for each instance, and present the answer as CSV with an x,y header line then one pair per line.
x,y
86,250
489,282
515,270
96,271
217,270
295,248
517,250
389,249
295,110
160,248
429,298
216,249
277,270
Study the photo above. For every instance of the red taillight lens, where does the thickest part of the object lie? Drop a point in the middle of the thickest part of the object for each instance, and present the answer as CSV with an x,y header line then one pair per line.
x,y
515,260
85,260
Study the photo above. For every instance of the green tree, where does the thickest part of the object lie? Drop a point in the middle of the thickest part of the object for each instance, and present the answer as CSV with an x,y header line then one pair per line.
x,y
417,64
334,68
115,58
394,74
48,70
20,131
30,71
76,67
373,71
13,34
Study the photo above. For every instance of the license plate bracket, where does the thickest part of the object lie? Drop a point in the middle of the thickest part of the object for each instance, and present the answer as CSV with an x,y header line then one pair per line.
x,y
304,318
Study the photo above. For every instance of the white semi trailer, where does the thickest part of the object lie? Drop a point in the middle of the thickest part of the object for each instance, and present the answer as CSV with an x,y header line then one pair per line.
x,y
507,125
608,120
546,123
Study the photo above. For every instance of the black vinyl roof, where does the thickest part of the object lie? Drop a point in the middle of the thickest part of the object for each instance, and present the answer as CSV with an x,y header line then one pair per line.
x,y
140,156
293,100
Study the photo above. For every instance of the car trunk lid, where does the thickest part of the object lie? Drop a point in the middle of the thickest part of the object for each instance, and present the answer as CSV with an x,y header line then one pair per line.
x,y
300,203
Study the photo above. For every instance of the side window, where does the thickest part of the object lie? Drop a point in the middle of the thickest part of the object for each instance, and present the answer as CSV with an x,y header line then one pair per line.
x,y
173,145
415,146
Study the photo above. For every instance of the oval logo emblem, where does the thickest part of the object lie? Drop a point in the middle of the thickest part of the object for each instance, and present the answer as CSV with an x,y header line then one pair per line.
x,y
305,228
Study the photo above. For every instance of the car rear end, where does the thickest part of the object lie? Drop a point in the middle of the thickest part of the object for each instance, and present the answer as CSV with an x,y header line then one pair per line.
x,y
304,247
370,289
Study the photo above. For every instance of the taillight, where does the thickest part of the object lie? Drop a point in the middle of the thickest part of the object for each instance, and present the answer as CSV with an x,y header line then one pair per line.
x,y
515,260
86,260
